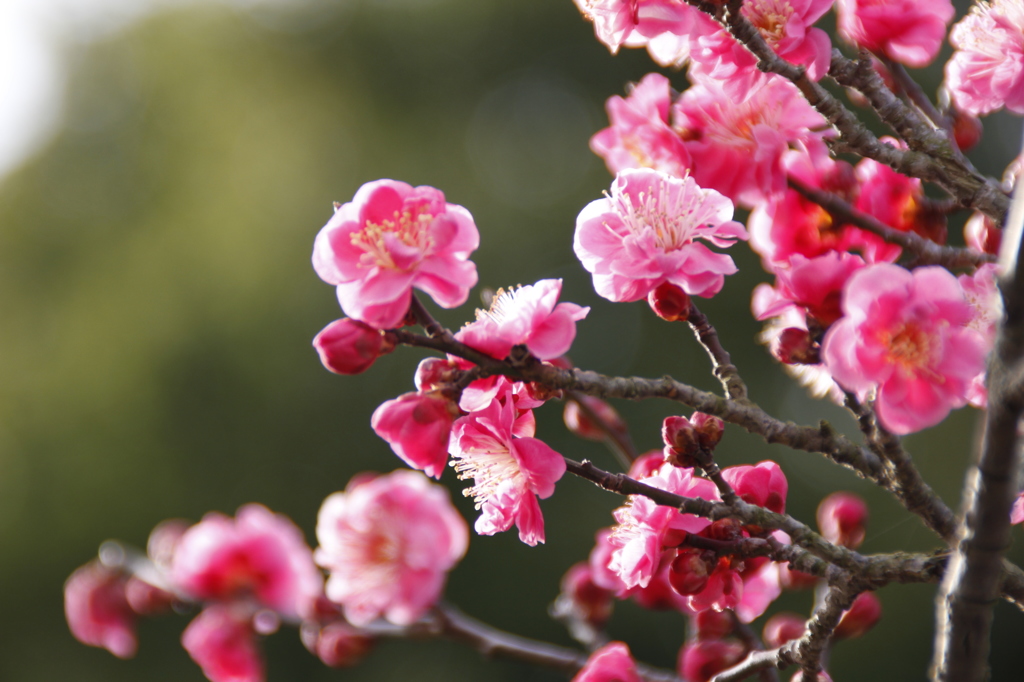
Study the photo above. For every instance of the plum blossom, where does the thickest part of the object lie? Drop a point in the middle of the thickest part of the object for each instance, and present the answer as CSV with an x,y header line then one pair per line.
x,y
640,135
897,200
737,142
526,315
644,233
904,339
97,609
814,285
1017,511
224,645
986,72
417,426
907,31
987,306
258,555
510,468
667,28
763,484
388,543
348,346
610,663
391,238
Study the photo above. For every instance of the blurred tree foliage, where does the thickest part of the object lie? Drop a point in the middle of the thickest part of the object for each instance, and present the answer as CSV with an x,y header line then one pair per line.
x,y
158,307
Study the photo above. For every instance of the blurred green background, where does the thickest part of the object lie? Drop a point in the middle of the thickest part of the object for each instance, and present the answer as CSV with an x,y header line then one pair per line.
x,y
158,307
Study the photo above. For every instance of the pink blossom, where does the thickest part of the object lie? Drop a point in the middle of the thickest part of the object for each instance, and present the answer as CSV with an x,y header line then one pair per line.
x,y
224,645
863,614
388,543
390,238
348,346
97,610
987,70
644,233
812,284
417,426
1017,512
640,135
737,144
610,663
907,31
841,518
982,234
510,468
786,25
526,315
257,554
666,27
904,338
702,660
763,484
987,306
337,644
897,200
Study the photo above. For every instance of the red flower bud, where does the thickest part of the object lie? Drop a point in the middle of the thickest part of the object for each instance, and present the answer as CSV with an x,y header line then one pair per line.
x,y
434,373
711,624
702,660
589,602
841,519
967,129
689,572
348,346
579,423
669,302
782,628
794,346
862,615
726,530
338,644
982,234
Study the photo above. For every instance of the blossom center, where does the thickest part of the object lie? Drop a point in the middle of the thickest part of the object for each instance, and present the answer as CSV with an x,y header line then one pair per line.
x,y
489,465
769,17
910,347
410,227
669,218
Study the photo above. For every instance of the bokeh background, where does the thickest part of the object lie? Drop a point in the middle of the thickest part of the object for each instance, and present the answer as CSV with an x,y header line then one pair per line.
x,y
158,306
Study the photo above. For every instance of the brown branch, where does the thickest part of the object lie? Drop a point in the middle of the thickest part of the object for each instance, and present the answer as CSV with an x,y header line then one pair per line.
x,y
721,362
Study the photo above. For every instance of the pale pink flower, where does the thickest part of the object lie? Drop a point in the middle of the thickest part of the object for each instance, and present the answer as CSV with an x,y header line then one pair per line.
x,y
666,27
610,663
737,144
640,135
787,27
987,305
904,339
257,554
388,543
526,315
987,70
762,584
814,285
390,238
907,31
223,643
644,233
97,610
417,427
1017,511
510,468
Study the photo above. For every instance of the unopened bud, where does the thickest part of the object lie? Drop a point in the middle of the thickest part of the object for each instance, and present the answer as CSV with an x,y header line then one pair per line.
x,y
794,346
348,346
967,129
782,628
862,615
589,602
841,519
669,302
702,660
577,420
682,443
711,624
146,599
434,373
709,430
338,645
689,572
982,234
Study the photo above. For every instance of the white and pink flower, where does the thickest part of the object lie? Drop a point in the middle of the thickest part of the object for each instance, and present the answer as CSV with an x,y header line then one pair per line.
x,y
388,543
391,238
907,31
667,28
986,72
645,232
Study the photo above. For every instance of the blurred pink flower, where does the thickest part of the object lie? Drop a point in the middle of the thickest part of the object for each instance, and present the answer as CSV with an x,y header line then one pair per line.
x,y
610,663
907,31
417,426
258,554
904,338
644,233
640,135
667,28
814,285
388,543
896,199
987,70
97,610
987,306
224,645
390,238
1017,511
510,468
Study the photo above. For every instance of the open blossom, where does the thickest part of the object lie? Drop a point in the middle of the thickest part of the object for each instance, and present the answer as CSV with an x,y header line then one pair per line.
x,y
737,142
644,233
640,135
897,200
257,554
224,645
97,610
510,468
814,285
668,28
388,543
907,31
987,70
390,238
417,426
527,315
904,338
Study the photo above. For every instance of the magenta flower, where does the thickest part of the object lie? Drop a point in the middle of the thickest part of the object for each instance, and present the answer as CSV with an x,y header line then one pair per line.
x,y
644,233
907,31
814,285
763,484
224,645
640,135
388,543
527,315
390,238
97,609
417,426
904,339
610,663
737,142
987,70
510,468
258,555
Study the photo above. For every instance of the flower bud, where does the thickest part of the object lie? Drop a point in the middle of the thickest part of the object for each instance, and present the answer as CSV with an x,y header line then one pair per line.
x,y
711,624
982,234
967,129
338,644
146,599
588,601
709,430
841,519
348,346
97,611
862,615
702,660
689,572
726,530
577,421
795,346
434,373
783,627
682,443
669,302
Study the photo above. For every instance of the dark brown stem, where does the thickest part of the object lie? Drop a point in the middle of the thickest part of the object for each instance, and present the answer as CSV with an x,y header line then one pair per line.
x,y
721,362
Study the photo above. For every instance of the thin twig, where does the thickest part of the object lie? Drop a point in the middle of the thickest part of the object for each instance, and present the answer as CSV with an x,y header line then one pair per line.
x,y
721,362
